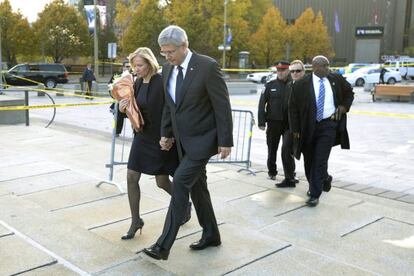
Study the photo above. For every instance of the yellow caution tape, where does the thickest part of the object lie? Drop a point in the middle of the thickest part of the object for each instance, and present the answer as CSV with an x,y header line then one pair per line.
x,y
42,106
56,91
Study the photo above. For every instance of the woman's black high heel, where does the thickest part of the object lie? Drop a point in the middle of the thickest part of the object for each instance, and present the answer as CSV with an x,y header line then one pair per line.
x,y
133,229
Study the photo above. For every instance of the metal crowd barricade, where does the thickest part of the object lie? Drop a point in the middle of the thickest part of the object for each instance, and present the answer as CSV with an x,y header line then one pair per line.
x,y
112,161
243,122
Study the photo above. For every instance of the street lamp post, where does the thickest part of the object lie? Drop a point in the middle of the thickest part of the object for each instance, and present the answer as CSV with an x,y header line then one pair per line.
x,y
95,41
1,65
224,34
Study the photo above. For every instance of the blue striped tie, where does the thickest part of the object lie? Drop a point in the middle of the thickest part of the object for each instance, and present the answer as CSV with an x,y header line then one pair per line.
x,y
321,101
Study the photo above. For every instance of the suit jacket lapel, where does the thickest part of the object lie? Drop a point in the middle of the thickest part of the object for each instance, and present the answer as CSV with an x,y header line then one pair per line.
x,y
334,86
189,75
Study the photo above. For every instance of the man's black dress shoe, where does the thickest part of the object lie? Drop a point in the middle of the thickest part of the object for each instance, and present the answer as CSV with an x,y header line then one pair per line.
x,y
312,201
157,252
286,183
327,184
204,243
272,177
308,193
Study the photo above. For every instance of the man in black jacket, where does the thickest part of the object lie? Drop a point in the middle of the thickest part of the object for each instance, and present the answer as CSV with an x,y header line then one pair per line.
x,y
273,113
88,77
317,112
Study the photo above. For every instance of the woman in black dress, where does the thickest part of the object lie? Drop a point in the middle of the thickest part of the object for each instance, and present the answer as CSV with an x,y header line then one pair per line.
x,y
146,155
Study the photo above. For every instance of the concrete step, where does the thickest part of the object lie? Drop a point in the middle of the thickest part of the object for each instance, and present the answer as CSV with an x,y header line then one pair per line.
x,y
69,244
51,202
19,256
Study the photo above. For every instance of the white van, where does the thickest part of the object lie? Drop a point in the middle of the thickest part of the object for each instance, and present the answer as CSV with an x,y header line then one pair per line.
x,y
404,65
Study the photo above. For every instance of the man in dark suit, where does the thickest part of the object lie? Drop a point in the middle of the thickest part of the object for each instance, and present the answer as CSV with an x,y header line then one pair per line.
x,y
197,117
317,113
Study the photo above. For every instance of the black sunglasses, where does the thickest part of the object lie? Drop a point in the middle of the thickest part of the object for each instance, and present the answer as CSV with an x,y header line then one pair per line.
x,y
296,71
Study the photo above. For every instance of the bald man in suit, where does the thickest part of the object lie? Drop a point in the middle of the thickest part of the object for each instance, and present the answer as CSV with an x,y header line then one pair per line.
x,y
317,115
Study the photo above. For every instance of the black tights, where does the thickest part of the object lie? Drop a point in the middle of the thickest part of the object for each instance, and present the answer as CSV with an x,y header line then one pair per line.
x,y
134,192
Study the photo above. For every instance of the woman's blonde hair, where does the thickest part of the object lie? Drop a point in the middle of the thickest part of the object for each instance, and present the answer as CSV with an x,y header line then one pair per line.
x,y
147,55
297,61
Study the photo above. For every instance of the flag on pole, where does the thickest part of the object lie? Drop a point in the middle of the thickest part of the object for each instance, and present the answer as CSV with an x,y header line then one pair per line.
x,y
90,15
229,36
102,15
337,24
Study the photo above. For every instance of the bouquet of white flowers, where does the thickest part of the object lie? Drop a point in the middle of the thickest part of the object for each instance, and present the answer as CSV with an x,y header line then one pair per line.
x,y
123,88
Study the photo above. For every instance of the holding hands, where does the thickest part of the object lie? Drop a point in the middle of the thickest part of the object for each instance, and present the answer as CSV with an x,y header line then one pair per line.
x,y
166,143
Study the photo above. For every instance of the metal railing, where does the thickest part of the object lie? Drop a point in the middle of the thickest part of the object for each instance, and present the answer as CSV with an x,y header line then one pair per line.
x,y
243,122
112,162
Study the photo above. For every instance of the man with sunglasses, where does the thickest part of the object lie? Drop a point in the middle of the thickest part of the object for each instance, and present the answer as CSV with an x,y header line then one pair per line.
x,y
272,115
297,71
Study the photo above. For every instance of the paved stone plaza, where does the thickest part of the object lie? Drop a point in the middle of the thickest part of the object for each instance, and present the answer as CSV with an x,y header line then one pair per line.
x,y
55,221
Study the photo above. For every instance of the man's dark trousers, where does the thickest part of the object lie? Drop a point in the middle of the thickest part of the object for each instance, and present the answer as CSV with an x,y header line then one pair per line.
x,y
89,88
190,177
274,130
287,155
316,155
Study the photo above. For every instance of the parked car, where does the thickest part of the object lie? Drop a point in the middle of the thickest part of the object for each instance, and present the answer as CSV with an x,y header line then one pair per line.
x,y
390,77
33,73
404,65
371,75
260,77
350,68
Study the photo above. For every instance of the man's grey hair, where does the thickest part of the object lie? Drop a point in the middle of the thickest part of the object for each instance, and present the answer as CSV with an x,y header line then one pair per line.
x,y
321,60
173,35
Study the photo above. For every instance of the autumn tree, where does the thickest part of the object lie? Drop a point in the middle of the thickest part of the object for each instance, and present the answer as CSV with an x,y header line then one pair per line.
x,y
268,43
124,12
239,26
16,38
255,13
61,31
194,16
203,22
142,31
309,37
322,41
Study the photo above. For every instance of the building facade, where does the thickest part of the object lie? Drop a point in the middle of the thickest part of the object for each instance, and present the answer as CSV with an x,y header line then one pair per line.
x,y
361,30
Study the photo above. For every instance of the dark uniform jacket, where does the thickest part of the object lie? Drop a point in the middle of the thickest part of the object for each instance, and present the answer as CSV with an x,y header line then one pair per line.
x,y
273,102
302,110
